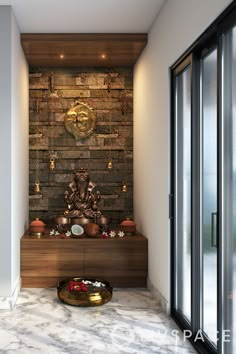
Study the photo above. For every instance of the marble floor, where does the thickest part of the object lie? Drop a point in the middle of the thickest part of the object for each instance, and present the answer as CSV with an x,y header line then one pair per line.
x,y
131,322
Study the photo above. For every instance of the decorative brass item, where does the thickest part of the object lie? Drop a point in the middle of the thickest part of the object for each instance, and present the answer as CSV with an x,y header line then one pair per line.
x,y
84,292
62,223
82,202
52,165
80,221
124,187
109,164
37,187
103,221
124,103
52,95
62,220
109,161
80,121
53,155
107,82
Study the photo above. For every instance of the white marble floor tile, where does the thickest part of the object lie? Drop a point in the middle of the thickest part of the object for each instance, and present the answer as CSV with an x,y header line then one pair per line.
x,y
131,323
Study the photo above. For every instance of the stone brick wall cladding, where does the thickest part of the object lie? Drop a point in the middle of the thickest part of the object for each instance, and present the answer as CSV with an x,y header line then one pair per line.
x,y
113,135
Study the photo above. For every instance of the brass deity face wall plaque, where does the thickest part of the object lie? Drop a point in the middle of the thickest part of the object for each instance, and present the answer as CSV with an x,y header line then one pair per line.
x,y
80,121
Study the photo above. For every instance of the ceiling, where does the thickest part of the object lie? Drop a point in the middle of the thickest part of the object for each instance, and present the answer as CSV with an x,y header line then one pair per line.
x,y
84,16
64,50
84,31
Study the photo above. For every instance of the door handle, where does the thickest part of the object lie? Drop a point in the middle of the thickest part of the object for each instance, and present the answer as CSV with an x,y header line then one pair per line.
x,y
171,206
214,229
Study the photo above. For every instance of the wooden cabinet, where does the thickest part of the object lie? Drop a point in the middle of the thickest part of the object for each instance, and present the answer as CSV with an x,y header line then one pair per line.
x,y
122,261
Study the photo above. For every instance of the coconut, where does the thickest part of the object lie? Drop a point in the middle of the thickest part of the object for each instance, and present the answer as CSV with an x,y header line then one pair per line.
x,y
92,230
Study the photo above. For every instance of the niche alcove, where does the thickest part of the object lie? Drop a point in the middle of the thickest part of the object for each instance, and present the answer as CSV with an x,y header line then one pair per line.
x,y
95,70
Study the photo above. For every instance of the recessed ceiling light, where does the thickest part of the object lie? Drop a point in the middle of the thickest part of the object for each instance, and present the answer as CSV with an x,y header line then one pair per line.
x,y
61,56
103,56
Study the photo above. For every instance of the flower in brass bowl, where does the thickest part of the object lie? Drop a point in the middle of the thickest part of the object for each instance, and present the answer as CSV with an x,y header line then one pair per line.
x,y
84,291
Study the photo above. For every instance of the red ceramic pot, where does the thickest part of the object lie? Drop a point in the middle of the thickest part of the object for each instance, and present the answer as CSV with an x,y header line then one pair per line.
x,y
128,226
37,227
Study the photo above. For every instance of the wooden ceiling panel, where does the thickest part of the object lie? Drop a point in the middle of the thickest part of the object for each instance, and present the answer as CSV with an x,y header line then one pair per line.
x,y
83,49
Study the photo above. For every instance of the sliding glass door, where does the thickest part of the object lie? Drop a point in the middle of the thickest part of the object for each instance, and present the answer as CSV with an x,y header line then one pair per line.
x,y
195,194
203,190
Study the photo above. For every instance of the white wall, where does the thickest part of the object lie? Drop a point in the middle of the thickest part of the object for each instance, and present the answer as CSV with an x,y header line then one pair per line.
x,y
19,148
5,150
179,23
13,151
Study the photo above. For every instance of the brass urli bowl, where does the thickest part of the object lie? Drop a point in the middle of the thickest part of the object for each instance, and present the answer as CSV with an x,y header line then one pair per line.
x,y
95,296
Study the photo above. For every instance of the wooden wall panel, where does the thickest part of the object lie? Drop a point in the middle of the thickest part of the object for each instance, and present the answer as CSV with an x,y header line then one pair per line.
x,y
82,49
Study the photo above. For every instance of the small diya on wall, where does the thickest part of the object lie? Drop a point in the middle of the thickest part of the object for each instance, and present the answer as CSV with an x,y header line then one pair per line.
x,y
84,292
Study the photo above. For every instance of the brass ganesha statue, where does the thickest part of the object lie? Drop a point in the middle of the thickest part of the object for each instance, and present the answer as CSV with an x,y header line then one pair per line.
x,y
82,202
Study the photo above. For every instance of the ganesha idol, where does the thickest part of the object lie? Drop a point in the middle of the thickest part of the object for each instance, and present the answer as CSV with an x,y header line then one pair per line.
x,y
82,202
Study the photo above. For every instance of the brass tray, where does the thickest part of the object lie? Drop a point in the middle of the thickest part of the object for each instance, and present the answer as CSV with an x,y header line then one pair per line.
x,y
94,296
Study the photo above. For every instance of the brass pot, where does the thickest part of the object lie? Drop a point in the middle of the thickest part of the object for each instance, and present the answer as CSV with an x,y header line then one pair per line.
x,y
80,221
61,220
103,220
93,297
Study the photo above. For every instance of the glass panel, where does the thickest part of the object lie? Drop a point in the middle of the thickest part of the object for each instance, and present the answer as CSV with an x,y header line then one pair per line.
x,y
209,193
227,177
229,189
233,295
183,193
